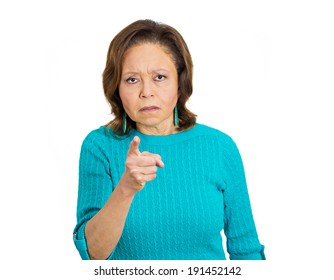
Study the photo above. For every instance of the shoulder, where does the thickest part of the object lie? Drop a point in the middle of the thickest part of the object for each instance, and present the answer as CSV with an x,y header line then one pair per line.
x,y
223,142
104,139
219,135
226,150
95,136
101,137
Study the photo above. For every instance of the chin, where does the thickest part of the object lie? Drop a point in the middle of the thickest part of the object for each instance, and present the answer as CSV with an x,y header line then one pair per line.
x,y
150,122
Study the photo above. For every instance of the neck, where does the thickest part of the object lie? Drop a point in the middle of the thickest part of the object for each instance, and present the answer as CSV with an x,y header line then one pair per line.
x,y
156,130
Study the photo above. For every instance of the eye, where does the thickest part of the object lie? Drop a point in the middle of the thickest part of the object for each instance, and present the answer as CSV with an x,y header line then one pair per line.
x,y
160,77
131,80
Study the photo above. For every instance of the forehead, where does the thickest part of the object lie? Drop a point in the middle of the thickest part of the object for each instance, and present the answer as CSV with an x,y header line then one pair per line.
x,y
145,53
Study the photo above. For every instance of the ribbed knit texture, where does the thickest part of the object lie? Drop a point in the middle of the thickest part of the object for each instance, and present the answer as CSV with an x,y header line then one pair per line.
x,y
179,215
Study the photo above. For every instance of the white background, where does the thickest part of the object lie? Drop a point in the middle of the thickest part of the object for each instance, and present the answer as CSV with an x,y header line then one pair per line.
x,y
263,73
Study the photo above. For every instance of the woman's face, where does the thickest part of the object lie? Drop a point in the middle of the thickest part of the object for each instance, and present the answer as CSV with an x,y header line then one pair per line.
x,y
149,88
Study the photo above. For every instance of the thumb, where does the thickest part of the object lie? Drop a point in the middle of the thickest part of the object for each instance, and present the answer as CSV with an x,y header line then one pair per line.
x,y
134,146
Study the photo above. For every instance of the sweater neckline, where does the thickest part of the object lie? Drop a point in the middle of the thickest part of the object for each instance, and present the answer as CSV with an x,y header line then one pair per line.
x,y
165,139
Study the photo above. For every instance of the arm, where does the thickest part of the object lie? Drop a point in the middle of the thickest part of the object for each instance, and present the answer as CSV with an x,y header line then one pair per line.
x,y
240,230
100,225
104,230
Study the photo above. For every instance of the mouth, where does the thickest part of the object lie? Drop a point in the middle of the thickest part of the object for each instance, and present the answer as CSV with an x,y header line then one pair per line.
x,y
149,109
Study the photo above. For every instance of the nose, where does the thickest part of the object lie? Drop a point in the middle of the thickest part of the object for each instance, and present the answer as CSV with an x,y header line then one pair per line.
x,y
146,89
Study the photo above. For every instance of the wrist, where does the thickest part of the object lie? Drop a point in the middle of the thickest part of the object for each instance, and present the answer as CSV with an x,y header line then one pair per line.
x,y
124,190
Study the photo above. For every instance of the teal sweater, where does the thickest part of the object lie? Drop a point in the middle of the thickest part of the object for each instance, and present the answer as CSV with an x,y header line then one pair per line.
x,y
199,194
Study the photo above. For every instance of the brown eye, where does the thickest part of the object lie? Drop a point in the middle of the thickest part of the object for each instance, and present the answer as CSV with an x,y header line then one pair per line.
x,y
131,80
160,77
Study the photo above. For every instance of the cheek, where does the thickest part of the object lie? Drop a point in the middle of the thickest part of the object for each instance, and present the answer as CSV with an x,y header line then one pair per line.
x,y
172,98
129,104
125,97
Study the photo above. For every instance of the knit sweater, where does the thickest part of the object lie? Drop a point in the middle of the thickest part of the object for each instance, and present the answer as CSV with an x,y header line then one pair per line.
x,y
180,215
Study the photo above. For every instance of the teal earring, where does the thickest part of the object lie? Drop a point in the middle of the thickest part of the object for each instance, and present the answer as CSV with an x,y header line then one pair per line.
x,y
176,117
124,122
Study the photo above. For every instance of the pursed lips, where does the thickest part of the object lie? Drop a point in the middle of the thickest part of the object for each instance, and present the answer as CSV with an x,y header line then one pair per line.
x,y
149,108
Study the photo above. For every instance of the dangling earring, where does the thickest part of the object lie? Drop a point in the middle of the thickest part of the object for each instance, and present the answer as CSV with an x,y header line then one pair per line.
x,y
124,122
176,117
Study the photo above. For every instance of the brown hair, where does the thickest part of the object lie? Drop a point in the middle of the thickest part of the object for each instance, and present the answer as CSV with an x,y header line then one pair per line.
x,y
147,31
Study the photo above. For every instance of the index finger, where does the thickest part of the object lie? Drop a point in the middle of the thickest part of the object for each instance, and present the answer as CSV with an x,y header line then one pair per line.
x,y
134,146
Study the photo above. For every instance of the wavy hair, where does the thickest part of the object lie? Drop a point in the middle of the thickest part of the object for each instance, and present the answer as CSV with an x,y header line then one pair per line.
x,y
147,31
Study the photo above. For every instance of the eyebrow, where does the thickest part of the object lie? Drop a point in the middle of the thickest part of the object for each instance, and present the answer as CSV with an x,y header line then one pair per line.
x,y
153,71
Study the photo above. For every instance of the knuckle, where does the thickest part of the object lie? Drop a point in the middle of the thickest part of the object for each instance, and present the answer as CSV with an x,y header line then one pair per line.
x,y
134,173
140,179
152,177
128,161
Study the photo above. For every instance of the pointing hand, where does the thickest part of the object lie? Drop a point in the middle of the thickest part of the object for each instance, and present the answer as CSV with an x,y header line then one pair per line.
x,y
139,167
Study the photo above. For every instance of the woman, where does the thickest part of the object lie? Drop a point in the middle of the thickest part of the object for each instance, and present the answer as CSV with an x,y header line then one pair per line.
x,y
153,183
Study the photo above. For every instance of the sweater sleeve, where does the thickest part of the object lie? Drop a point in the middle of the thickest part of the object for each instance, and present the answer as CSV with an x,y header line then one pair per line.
x,y
95,186
239,227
